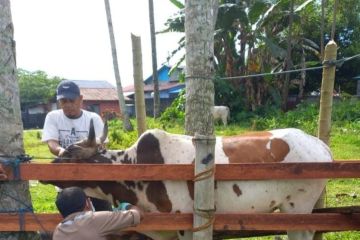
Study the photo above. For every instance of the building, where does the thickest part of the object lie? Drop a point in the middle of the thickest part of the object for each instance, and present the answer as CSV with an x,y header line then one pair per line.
x,y
169,88
100,97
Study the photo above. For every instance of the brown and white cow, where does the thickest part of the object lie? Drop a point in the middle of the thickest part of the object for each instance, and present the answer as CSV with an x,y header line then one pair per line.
x,y
158,146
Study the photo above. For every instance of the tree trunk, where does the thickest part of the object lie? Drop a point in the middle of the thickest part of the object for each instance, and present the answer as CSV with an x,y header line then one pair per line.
x,y
322,30
123,110
285,89
14,196
139,84
154,61
200,18
302,74
199,29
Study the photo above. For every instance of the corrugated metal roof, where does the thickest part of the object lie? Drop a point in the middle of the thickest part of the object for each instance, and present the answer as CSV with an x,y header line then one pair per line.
x,y
93,84
104,94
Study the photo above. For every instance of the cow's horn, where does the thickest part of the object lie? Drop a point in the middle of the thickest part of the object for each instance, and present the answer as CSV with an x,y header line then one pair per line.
x,y
91,138
104,133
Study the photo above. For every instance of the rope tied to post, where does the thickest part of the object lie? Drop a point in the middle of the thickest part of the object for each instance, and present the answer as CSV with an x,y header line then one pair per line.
x,y
205,213
14,164
204,174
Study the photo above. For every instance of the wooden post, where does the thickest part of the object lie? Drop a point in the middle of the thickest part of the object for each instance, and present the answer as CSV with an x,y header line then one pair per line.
x,y
139,84
204,206
326,96
326,100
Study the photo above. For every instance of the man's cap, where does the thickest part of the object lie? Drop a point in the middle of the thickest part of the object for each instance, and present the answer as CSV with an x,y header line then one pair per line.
x,y
70,200
67,89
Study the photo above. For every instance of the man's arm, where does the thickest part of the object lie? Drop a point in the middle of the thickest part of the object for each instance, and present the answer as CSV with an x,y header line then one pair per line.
x,y
55,147
112,222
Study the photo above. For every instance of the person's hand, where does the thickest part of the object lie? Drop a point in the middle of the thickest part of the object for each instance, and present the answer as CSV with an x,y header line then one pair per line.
x,y
61,151
133,207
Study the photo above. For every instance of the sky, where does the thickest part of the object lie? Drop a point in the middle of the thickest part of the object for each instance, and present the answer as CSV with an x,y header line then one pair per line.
x,y
70,38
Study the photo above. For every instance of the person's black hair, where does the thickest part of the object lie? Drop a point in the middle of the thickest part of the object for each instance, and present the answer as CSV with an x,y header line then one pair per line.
x,y
70,200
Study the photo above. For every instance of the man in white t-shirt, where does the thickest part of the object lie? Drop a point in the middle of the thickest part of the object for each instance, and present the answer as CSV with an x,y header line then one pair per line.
x,y
69,124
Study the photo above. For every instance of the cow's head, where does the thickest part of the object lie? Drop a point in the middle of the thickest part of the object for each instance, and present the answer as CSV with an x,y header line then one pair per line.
x,y
86,150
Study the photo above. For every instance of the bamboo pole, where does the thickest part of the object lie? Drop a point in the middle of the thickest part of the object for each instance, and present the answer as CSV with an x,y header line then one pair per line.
x,y
139,84
327,89
326,101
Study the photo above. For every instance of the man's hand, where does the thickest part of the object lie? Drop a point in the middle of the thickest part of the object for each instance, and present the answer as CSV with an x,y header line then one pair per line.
x,y
55,148
133,207
61,151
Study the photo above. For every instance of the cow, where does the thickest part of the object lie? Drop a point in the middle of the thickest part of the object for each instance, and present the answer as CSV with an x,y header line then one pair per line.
x,y
160,147
221,113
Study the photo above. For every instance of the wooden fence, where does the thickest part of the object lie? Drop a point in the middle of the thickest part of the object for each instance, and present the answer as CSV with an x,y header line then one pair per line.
x,y
335,219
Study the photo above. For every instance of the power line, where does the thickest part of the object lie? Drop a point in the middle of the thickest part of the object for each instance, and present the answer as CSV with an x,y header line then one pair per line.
x,y
326,64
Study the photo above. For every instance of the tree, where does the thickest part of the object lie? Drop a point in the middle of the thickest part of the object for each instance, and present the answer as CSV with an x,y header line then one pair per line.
x,y
288,61
154,60
36,87
14,195
124,113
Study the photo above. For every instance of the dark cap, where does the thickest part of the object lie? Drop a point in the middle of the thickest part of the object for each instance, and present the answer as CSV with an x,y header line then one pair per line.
x,y
70,200
67,89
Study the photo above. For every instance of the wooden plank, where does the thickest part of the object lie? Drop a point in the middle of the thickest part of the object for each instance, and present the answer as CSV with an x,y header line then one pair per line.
x,y
256,171
246,171
223,222
103,172
280,221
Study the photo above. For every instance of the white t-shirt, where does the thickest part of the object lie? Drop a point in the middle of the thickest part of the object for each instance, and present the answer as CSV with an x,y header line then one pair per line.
x,y
68,131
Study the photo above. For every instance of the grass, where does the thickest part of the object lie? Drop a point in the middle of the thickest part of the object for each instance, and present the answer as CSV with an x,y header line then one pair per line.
x,y
345,144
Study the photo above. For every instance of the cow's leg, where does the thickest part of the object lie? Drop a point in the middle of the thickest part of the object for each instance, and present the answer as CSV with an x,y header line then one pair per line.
x,y
185,235
300,235
224,120
303,202
161,235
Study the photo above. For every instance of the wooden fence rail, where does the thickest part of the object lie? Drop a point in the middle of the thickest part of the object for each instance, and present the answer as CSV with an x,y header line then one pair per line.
x,y
244,171
326,221
229,221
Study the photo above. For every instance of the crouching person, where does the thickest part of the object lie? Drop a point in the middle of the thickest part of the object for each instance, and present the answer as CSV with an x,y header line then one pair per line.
x,y
81,222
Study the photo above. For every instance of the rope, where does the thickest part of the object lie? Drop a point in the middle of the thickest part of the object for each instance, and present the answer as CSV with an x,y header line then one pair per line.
x,y
204,174
15,164
205,213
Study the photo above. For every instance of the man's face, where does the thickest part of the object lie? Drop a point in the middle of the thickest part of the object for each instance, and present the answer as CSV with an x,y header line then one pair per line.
x,y
71,107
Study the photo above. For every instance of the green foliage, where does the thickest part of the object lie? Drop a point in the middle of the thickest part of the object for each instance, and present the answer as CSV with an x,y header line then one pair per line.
x,y
176,112
305,116
36,87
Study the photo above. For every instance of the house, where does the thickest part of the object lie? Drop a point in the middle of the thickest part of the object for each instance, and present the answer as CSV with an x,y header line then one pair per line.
x,y
169,88
100,97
